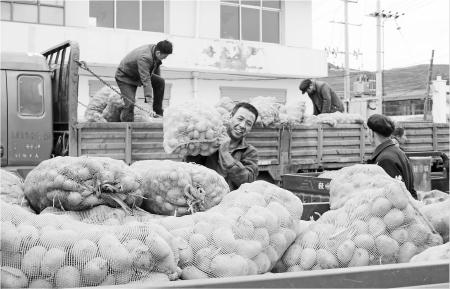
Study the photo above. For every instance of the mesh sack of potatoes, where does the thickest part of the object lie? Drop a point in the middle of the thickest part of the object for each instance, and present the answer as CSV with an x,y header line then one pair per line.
x,y
104,106
11,190
105,215
79,183
177,188
375,226
437,253
246,234
438,214
192,128
225,106
292,113
50,250
268,110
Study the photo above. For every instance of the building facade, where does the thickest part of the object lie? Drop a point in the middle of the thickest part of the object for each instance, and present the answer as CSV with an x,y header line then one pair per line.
x,y
234,48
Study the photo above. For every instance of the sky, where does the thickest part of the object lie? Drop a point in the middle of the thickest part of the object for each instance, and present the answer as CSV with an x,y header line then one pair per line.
x,y
408,40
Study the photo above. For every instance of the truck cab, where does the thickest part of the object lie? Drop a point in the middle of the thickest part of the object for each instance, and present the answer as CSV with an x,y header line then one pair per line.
x,y
26,109
35,93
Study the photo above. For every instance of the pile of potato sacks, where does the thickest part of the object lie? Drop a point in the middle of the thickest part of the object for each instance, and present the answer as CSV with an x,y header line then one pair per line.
x,y
193,128
46,251
377,224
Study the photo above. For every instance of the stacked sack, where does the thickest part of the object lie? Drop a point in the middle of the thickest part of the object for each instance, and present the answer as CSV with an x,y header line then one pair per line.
x,y
246,234
104,106
11,190
78,183
334,118
378,224
177,188
225,107
192,129
48,251
268,110
293,113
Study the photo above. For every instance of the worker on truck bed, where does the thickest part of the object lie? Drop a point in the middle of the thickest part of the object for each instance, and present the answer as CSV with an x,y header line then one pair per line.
x,y
324,98
387,155
235,160
140,67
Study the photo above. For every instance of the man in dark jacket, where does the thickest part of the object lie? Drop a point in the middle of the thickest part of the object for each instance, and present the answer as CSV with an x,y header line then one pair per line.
x,y
323,97
140,67
387,155
235,160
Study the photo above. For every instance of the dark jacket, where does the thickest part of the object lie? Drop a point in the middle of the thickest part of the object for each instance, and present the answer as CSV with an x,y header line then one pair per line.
x,y
394,161
137,67
325,99
243,170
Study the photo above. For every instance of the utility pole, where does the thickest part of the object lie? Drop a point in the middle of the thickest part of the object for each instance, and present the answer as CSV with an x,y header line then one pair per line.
x,y
427,106
381,15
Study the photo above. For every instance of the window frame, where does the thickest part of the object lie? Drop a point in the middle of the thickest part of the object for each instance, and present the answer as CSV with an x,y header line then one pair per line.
x,y
165,19
38,5
19,112
261,8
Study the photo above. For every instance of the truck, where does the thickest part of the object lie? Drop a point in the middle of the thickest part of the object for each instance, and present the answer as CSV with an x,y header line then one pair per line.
x,y
39,103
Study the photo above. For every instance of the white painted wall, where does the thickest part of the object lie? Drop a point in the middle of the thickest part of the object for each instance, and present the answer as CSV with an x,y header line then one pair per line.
x,y
297,24
439,90
182,17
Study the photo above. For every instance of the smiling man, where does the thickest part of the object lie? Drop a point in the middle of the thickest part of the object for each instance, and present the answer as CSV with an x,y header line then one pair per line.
x,y
235,160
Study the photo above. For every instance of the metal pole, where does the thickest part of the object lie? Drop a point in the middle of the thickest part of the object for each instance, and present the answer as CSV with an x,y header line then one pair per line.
x,y
347,69
427,110
379,75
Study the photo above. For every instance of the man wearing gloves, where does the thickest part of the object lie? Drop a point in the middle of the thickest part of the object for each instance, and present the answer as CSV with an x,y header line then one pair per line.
x,y
140,67
387,155
235,160
324,99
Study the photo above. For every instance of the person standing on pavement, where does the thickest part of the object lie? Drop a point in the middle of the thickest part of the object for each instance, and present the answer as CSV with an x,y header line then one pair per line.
x,y
324,98
387,155
141,67
235,160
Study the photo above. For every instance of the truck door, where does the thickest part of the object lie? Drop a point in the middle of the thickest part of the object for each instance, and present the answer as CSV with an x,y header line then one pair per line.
x,y
29,117
4,122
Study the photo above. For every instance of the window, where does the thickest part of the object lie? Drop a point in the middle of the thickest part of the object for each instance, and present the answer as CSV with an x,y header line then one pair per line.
x,y
34,11
253,20
146,15
31,95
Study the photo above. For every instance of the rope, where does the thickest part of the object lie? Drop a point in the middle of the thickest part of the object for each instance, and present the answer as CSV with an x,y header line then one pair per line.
x,y
84,66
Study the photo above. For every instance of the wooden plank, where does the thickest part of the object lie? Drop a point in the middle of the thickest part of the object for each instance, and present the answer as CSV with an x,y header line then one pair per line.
x,y
341,151
128,144
362,143
300,153
154,156
102,140
263,153
102,126
78,150
319,144
434,138
117,156
103,135
302,134
268,134
418,131
101,146
328,142
354,133
306,143
148,135
147,145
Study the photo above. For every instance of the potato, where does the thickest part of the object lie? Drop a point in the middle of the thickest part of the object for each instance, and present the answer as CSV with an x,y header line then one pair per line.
x,y
341,219
400,235
362,212
380,206
364,241
28,234
192,273
13,278
360,227
435,240
40,283
418,234
263,263
31,262
295,268
198,241
224,239
282,213
202,259
279,242
345,251
308,258
158,247
58,238
406,252
83,251
243,229
394,218
262,236
272,254
52,261
326,260
248,248
95,271
123,277
376,226
186,254
359,258
114,252
10,240
309,239
229,265
292,255
68,277
397,195
386,246
11,259
109,280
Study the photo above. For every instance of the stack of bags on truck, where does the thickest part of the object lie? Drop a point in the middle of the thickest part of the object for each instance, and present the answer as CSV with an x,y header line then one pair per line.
x,y
333,119
104,106
373,220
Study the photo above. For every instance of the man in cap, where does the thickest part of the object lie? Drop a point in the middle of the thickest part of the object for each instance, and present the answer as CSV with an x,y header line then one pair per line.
x,y
140,67
387,155
322,96
235,160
